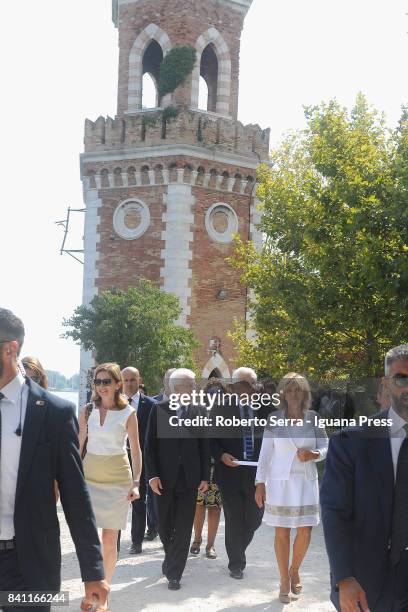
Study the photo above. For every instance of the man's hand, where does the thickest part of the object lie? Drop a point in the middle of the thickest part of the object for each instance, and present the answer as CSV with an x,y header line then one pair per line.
x,y
97,592
156,485
352,594
304,454
260,494
228,460
203,486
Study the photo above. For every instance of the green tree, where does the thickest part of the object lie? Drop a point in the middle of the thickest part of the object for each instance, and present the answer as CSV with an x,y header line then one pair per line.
x,y
134,328
331,281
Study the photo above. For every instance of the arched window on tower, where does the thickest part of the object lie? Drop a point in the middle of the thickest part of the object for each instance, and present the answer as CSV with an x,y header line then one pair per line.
x,y
152,58
203,95
208,79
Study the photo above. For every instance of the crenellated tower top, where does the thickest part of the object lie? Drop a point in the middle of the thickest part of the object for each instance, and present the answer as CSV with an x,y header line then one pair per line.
x,y
149,29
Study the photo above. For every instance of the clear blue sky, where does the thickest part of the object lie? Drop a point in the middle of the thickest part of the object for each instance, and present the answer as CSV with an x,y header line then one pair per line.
x,y
60,66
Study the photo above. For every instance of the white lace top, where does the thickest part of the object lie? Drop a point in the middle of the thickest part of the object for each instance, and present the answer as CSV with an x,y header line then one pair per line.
x,y
109,438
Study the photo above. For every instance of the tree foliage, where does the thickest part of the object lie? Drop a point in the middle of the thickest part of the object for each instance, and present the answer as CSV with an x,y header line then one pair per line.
x,y
331,281
134,328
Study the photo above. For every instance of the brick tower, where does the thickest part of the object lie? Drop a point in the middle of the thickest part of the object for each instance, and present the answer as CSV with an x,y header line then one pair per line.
x,y
166,188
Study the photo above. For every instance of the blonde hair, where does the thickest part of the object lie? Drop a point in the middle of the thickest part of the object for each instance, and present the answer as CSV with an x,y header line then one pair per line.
x,y
114,370
302,384
34,364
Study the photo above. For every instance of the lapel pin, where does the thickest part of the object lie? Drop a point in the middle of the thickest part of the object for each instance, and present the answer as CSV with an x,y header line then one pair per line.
x,y
40,403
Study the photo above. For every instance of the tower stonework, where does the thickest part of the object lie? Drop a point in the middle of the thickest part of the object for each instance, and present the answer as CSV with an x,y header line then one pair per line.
x,y
166,188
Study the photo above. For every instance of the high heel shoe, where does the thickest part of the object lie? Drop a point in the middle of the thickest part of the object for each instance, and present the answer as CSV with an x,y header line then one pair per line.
x,y
284,597
284,594
195,547
295,587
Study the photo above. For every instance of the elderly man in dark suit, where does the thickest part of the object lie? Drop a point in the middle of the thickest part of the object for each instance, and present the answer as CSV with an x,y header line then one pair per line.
x,y
237,482
177,464
364,498
39,445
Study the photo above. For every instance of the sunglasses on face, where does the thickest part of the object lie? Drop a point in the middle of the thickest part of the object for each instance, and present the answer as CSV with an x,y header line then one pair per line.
x,y
400,380
105,382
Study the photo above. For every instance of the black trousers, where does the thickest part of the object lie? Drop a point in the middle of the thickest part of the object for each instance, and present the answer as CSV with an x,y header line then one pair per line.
x,y
242,519
11,579
143,508
175,512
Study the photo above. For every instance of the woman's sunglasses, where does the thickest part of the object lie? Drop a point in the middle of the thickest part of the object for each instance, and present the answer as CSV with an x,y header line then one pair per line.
x,y
105,382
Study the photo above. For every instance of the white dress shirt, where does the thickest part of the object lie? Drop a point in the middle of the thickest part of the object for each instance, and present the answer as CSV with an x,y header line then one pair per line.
x,y
135,401
15,393
397,436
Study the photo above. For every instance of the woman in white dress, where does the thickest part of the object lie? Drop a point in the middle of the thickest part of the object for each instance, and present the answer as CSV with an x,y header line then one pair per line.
x,y
104,427
287,481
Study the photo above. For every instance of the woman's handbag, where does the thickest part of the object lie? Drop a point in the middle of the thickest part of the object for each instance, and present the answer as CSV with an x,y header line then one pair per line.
x,y
88,410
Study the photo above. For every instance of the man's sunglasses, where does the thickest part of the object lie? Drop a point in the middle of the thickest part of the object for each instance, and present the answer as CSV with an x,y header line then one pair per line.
x,y
105,382
400,380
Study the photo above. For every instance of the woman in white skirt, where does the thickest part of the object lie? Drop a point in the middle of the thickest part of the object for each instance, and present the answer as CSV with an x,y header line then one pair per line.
x,y
286,479
104,427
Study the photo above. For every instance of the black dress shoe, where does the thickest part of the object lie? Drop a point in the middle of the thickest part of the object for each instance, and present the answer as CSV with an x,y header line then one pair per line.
x,y
135,549
150,535
174,584
237,574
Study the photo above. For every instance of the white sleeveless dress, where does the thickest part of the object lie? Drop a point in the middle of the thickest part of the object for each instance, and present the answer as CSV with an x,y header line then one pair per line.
x,y
107,469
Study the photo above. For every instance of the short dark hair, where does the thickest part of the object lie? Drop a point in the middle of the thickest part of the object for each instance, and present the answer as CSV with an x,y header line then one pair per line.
x,y
11,327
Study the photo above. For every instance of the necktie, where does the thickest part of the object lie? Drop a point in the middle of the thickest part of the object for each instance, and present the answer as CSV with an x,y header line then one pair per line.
x,y
130,400
248,439
399,528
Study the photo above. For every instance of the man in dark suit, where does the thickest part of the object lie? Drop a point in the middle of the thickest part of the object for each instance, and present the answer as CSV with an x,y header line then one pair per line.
x,y
364,498
143,506
236,482
39,445
177,464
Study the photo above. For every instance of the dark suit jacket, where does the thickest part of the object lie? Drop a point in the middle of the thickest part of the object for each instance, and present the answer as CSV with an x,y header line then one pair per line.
x,y
357,498
50,451
230,440
166,450
143,413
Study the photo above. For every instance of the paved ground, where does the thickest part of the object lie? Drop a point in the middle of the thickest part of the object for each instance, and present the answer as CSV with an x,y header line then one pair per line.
x,y
206,585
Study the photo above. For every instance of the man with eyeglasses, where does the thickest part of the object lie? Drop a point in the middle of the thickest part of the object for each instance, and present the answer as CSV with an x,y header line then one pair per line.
x,y
39,444
364,498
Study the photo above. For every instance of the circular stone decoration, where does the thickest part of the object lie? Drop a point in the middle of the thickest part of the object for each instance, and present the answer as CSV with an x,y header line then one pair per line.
x,y
221,222
131,219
